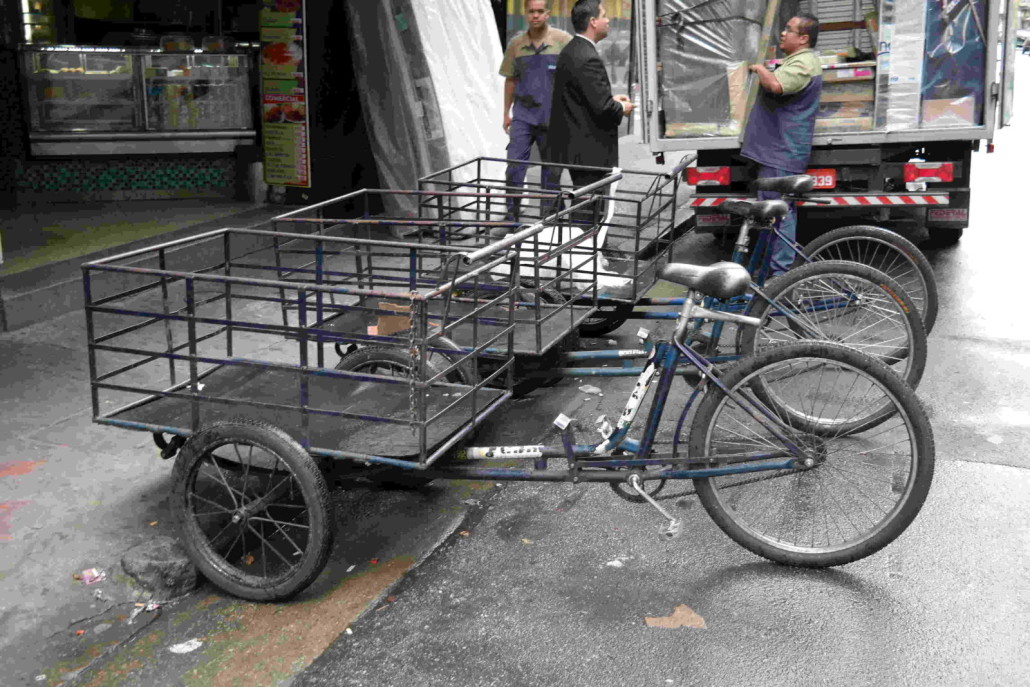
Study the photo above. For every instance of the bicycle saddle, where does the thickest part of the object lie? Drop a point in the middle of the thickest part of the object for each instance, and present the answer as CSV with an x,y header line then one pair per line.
x,y
756,209
721,280
794,185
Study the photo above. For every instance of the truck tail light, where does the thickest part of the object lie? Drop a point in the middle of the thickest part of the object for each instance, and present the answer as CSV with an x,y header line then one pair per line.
x,y
708,176
929,171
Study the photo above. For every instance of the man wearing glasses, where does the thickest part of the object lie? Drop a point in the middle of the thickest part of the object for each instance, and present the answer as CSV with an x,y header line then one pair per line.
x,y
779,131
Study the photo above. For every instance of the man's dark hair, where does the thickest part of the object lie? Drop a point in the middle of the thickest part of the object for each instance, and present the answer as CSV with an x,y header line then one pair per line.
x,y
809,26
582,12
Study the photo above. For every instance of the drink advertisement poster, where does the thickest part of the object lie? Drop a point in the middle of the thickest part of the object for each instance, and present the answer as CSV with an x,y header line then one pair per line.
x,y
284,111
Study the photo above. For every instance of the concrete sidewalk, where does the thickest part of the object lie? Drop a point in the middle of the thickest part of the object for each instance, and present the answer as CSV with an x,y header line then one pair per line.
x,y
45,245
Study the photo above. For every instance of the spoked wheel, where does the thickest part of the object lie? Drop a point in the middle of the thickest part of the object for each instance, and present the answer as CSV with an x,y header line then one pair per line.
x,y
887,251
530,371
860,490
254,510
393,362
842,302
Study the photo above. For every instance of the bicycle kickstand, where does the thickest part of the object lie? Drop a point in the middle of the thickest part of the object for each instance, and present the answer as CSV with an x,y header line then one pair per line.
x,y
671,529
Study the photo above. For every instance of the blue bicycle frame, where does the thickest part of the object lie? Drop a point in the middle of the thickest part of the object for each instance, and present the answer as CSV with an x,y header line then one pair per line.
x,y
663,365
758,267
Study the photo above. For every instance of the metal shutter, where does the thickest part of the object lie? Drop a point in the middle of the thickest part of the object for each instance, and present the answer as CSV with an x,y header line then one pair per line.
x,y
841,10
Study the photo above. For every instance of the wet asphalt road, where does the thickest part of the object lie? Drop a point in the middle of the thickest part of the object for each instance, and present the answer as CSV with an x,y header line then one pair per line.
x,y
551,584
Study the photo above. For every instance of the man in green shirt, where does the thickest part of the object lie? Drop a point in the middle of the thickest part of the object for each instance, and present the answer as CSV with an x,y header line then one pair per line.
x,y
780,127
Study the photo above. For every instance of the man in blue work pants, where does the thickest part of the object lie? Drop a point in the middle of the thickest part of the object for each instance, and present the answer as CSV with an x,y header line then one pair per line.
x,y
528,68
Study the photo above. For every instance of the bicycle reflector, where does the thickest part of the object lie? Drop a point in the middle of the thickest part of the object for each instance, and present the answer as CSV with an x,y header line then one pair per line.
x,y
708,176
929,171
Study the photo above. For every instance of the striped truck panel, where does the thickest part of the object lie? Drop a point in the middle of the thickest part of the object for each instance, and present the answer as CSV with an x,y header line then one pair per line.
x,y
849,201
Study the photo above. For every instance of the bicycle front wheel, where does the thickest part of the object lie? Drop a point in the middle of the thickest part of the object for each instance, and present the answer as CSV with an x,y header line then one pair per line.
x,y
860,490
887,251
843,302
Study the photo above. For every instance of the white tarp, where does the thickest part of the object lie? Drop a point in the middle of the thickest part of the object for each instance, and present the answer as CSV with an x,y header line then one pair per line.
x,y
469,91
431,94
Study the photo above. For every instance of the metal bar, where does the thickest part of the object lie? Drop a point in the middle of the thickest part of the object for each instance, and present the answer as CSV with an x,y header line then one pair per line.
x,y
150,357
94,395
305,389
227,246
191,327
164,307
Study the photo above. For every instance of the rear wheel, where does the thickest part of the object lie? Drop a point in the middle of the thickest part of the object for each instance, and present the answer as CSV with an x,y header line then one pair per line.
x,y
393,362
608,317
254,509
943,237
860,490
844,302
887,251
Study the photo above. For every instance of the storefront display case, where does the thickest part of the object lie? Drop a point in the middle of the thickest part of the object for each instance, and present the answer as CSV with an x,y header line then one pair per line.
x,y
136,101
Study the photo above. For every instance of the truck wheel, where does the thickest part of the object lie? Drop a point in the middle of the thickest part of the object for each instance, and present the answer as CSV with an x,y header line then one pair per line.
x,y
943,237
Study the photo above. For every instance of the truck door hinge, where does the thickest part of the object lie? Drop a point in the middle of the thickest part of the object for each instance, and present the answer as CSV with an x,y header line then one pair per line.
x,y
994,91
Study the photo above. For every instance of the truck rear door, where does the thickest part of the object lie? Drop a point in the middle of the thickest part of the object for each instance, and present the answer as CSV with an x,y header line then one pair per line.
x,y
1008,62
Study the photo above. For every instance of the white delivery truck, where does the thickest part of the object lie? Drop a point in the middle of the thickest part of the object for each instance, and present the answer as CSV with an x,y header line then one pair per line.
x,y
910,89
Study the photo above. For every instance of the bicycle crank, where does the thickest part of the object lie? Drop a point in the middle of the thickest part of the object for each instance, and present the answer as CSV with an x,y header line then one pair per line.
x,y
670,530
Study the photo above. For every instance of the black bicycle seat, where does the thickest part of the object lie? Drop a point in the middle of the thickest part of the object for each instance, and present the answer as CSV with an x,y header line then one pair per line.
x,y
794,185
756,209
721,280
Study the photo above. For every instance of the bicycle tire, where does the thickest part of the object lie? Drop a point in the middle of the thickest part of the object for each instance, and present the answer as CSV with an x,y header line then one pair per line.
x,y
381,359
210,508
888,252
877,317
777,514
606,319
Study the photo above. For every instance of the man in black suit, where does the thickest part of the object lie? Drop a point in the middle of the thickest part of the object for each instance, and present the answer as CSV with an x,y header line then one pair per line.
x,y
585,116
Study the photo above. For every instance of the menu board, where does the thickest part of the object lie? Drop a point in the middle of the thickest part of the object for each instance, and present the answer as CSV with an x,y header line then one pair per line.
x,y
284,112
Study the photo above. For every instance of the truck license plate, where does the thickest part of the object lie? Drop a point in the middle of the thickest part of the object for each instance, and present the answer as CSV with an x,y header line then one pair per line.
x,y
824,178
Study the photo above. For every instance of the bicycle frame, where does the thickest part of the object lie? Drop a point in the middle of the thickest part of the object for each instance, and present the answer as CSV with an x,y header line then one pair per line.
x,y
758,267
663,365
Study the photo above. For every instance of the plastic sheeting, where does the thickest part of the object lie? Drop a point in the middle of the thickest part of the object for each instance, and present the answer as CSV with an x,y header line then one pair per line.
x,y
931,65
704,47
469,91
953,67
428,86
907,40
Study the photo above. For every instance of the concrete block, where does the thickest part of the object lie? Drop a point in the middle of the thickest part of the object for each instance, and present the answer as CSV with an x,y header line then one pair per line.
x,y
161,566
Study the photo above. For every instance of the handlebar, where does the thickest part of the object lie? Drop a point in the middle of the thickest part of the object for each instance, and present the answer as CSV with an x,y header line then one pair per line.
x,y
534,229
687,160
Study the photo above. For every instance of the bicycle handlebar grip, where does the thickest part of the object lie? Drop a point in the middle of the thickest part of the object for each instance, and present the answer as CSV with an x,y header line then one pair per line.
x,y
687,160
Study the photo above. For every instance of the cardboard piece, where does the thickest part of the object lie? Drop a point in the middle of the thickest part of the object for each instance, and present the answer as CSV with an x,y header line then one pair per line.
x,y
682,616
950,112
391,324
736,79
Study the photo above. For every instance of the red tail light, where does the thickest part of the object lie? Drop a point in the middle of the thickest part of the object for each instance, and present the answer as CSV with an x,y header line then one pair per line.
x,y
929,171
708,176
